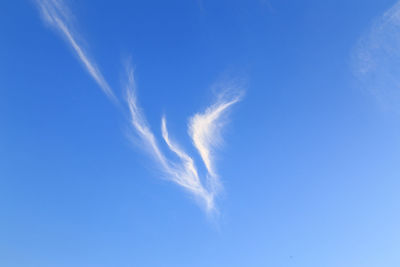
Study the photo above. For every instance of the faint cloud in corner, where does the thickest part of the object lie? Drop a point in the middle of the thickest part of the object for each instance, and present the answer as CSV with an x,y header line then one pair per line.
x,y
376,59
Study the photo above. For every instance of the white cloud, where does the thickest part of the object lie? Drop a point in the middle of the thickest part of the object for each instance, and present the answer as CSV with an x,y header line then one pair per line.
x,y
376,59
184,173
56,14
204,128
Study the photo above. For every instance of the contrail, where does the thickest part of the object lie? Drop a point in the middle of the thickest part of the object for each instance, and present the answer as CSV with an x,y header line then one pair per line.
x,y
56,14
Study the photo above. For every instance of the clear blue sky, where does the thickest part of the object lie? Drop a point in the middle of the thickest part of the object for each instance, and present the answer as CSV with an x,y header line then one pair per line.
x,y
310,160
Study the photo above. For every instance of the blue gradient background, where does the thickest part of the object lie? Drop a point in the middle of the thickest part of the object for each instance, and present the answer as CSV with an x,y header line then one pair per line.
x,y
310,165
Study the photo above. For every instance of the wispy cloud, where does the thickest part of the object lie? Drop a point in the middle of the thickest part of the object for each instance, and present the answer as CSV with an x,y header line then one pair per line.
x,y
56,14
204,128
185,172
376,58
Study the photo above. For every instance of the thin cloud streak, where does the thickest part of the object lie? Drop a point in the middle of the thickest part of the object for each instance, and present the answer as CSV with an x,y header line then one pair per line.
x,y
187,161
139,122
186,173
56,14
376,57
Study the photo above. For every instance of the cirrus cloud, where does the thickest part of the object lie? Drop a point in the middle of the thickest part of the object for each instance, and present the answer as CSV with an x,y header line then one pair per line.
x,y
204,128
376,58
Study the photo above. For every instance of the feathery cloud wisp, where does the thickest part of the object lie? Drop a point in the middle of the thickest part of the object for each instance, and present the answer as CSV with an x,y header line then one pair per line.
x,y
183,173
204,128
376,58
56,14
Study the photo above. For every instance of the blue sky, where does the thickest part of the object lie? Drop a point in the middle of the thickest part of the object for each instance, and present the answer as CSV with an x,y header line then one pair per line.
x,y
305,171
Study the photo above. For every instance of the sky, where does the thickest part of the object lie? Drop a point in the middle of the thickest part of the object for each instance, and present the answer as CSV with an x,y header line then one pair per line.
x,y
199,133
